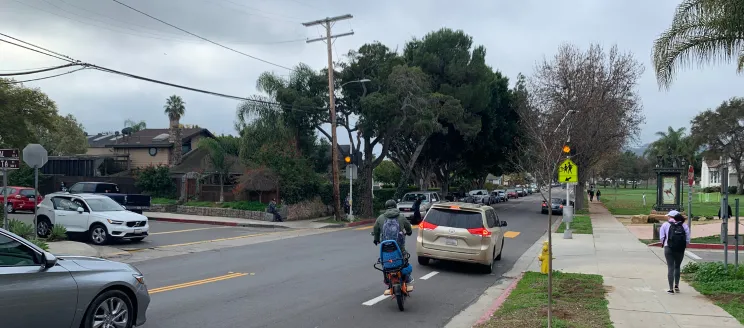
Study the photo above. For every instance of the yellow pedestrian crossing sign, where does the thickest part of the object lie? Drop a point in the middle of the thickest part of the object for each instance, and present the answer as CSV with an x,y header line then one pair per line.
x,y
568,172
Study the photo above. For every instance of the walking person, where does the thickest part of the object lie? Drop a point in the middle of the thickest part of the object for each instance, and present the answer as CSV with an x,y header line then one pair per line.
x,y
599,193
416,208
675,236
274,211
591,195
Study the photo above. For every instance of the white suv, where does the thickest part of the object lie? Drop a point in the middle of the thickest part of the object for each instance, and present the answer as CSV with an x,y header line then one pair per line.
x,y
98,216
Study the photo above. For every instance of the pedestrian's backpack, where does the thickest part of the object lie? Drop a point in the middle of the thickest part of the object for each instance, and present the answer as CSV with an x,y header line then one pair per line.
x,y
677,239
391,231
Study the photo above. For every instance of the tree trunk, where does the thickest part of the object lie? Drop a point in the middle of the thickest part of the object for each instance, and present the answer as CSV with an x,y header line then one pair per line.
x,y
366,201
403,184
222,187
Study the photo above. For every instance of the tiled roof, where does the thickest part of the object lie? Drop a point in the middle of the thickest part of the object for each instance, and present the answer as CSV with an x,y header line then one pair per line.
x,y
102,140
155,138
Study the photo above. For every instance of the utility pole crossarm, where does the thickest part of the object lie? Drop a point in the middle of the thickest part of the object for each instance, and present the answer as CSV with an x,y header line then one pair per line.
x,y
327,20
332,37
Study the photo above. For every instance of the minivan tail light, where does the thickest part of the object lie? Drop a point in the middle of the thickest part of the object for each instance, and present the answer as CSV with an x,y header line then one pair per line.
x,y
424,225
480,232
561,206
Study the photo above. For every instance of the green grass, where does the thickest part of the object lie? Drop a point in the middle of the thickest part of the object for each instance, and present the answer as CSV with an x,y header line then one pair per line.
x,y
240,205
648,241
622,201
724,287
715,239
581,224
578,301
163,201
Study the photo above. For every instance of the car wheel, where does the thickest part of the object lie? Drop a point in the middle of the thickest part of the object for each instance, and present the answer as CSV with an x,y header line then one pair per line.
x,y
423,260
9,208
488,268
98,234
498,258
43,228
112,309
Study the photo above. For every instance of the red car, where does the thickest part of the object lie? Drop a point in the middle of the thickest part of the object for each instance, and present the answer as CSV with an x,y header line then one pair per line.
x,y
511,193
19,199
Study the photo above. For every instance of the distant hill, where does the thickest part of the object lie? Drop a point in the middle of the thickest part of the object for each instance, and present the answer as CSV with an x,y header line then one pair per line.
x,y
639,150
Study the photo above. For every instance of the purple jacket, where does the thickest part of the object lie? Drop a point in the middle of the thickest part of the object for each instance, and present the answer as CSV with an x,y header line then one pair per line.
x,y
664,231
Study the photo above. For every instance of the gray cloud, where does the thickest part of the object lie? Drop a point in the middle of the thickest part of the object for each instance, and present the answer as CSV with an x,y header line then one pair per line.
x,y
516,34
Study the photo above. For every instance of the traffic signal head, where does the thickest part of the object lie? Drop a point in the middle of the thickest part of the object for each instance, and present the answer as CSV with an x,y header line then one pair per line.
x,y
566,149
347,159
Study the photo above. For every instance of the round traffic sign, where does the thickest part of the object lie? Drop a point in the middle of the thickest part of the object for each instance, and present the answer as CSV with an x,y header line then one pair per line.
x,y
690,175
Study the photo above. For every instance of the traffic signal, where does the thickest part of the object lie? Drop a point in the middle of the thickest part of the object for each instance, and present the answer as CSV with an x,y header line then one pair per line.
x,y
567,149
347,159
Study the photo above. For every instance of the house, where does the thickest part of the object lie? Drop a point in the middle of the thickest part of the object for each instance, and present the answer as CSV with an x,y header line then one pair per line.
x,y
710,175
148,146
492,179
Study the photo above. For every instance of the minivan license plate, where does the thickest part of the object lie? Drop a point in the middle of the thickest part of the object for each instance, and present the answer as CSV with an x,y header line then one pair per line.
x,y
450,242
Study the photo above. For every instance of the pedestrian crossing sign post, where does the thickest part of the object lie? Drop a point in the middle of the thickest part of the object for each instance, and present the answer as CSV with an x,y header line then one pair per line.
x,y
568,172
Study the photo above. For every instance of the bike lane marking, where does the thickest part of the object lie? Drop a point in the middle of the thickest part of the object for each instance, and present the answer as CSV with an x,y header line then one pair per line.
x,y
429,275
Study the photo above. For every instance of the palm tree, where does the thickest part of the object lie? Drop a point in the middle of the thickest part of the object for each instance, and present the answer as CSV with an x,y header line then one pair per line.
x,y
702,31
672,142
135,126
175,108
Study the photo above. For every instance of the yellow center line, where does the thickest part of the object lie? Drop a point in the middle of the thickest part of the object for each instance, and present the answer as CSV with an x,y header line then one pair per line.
x,y
186,230
196,283
511,234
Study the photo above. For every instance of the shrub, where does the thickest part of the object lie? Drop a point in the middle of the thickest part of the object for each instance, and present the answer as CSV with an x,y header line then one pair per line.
x,y
708,190
21,229
58,233
732,190
691,267
156,181
713,271
38,242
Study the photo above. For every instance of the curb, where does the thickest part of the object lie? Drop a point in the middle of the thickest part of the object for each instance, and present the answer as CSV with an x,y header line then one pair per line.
x,y
499,300
703,246
360,222
219,223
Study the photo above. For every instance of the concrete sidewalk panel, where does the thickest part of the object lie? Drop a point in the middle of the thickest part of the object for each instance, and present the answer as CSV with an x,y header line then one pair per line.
x,y
641,319
701,321
632,294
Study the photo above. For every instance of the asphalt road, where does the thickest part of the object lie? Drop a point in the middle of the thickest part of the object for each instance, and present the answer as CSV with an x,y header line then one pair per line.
x,y
170,233
323,280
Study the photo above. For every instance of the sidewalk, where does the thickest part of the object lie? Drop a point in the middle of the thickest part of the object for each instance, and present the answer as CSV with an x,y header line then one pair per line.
x,y
239,222
635,276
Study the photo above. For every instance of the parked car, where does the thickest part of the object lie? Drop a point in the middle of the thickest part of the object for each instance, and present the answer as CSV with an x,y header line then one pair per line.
x,y
97,216
74,291
20,199
132,202
512,193
480,195
502,195
556,204
498,196
461,232
406,203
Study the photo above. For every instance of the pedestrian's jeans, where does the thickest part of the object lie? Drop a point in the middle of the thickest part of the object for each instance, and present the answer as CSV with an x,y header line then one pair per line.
x,y
674,262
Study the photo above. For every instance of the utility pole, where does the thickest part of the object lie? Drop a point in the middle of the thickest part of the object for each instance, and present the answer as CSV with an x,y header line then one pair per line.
x,y
328,24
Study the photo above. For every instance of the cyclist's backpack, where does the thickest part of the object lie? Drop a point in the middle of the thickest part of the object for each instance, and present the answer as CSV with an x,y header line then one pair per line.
x,y
677,237
391,230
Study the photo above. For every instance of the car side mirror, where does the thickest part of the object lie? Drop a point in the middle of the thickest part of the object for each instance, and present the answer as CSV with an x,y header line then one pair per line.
x,y
80,210
503,223
48,260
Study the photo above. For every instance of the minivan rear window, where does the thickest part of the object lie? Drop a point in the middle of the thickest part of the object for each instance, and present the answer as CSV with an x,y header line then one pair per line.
x,y
455,218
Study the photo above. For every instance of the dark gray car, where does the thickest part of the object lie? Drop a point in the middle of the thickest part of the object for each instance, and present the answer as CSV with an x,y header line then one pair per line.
x,y
41,290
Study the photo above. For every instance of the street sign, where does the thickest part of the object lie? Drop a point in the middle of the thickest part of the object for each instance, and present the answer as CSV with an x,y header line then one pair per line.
x,y
8,153
351,171
690,176
10,164
568,171
35,156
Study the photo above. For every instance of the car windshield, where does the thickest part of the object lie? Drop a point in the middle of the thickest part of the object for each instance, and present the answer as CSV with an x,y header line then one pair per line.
x,y
103,205
455,218
556,201
412,197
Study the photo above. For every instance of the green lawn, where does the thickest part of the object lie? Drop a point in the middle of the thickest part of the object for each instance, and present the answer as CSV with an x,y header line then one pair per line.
x,y
581,224
622,201
724,287
578,301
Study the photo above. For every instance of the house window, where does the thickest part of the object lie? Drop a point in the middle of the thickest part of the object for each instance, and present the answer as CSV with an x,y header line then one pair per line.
x,y
186,147
714,177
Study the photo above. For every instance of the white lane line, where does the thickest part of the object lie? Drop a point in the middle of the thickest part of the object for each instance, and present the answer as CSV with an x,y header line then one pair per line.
x,y
693,255
375,300
429,275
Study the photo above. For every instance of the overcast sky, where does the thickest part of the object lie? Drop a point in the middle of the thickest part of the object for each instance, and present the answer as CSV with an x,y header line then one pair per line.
x,y
515,33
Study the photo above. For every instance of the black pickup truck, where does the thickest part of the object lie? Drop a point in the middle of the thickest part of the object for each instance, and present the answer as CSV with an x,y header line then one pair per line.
x,y
132,202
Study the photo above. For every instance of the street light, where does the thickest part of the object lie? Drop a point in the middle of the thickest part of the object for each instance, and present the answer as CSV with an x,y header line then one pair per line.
x,y
357,81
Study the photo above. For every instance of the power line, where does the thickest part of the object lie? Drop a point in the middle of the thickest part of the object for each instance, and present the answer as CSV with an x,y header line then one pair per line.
x,y
25,69
112,71
38,70
205,39
143,34
46,77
